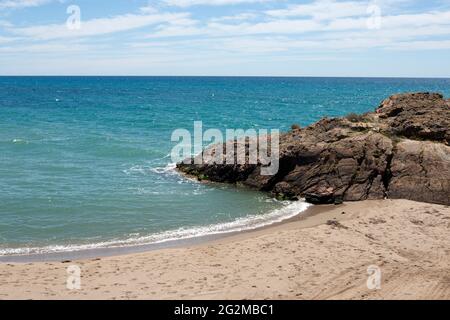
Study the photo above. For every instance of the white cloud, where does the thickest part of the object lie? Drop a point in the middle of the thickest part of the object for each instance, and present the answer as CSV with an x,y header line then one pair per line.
x,y
18,4
417,20
270,27
421,45
323,10
217,29
236,17
189,3
322,28
149,9
98,26
5,24
350,21
51,48
6,39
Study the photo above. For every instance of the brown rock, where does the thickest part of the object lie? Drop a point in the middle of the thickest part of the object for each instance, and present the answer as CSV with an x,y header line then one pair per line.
x,y
400,151
417,116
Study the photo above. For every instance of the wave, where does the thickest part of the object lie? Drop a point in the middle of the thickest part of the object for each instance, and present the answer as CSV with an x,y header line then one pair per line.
x,y
145,169
251,222
169,168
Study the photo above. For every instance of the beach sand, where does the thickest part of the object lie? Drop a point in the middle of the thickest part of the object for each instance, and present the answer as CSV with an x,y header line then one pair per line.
x,y
304,258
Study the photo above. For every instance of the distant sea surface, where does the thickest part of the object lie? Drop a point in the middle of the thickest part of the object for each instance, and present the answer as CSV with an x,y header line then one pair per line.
x,y
84,161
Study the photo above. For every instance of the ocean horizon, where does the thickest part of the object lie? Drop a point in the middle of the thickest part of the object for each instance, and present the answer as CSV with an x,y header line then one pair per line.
x,y
85,160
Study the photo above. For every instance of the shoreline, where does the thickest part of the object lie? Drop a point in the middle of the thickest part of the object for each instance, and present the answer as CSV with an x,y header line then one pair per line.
x,y
306,258
113,251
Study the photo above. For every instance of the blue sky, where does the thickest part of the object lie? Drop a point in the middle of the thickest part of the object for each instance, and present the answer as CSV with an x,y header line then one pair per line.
x,y
399,38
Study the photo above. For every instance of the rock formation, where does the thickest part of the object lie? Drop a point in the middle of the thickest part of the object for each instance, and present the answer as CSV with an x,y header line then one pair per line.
x,y
399,151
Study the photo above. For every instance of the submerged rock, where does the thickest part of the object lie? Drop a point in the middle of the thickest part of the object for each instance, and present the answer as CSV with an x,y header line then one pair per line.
x,y
399,151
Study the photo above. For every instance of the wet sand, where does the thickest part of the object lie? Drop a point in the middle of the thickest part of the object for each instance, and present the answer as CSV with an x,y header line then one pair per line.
x,y
325,254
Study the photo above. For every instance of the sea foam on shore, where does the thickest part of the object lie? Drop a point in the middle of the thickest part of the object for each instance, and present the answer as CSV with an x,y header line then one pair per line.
x,y
250,222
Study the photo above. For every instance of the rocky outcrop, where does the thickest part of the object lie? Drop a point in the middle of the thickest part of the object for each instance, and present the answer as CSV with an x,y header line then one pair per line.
x,y
417,116
399,151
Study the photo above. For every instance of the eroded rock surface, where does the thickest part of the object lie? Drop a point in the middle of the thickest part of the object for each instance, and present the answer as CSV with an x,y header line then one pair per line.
x,y
399,151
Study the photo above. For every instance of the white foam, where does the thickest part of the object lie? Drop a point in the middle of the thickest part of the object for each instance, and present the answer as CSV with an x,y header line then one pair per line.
x,y
169,168
290,210
21,141
136,170
141,169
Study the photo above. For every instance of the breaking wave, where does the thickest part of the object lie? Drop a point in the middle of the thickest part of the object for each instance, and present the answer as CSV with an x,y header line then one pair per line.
x,y
251,222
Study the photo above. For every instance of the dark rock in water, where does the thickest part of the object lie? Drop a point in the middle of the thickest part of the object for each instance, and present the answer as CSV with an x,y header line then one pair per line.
x,y
400,151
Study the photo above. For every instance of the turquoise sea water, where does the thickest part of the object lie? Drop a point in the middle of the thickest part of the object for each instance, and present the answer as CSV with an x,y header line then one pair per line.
x,y
84,160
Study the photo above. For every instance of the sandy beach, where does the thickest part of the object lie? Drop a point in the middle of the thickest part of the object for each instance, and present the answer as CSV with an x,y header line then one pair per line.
x,y
306,258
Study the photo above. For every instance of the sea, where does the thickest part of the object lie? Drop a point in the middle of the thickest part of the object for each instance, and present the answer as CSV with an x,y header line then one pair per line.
x,y
85,162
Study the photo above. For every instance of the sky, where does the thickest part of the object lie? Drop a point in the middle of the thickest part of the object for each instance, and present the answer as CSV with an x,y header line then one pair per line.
x,y
374,38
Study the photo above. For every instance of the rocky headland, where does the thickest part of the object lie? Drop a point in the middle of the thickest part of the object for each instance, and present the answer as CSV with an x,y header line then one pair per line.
x,y
400,151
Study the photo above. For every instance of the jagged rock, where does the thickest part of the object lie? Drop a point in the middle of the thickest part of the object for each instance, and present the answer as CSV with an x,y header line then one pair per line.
x,y
417,116
399,151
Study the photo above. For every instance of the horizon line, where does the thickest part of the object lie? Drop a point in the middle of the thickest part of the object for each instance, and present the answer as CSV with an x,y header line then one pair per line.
x,y
230,76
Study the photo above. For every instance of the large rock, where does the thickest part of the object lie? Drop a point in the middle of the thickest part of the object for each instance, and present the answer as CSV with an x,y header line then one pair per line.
x,y
417,116
400,151
421,171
